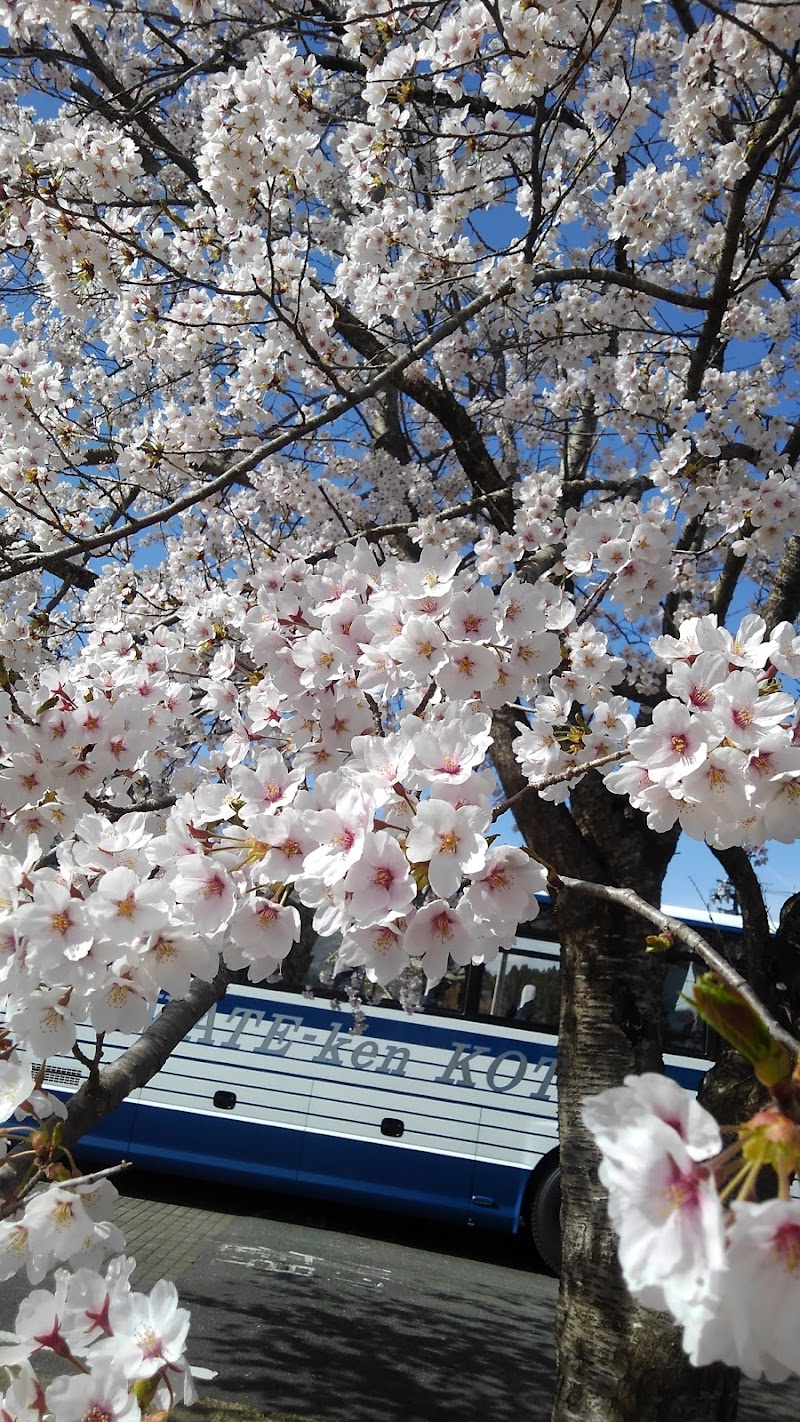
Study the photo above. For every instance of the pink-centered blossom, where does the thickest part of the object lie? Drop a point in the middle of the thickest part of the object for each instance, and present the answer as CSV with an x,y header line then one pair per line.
x,y
340,834
43,1020
447,840
59,1227
449,753
714,798
380,948
379,883
505,889
436,933
100,1396
204,889
278,845
470,670
170,959
259,936
744,714
268,787
124,906
148,1333
612,1115
120,1002
420,649
24,1399
755,1322
674,745
55,922
664,1207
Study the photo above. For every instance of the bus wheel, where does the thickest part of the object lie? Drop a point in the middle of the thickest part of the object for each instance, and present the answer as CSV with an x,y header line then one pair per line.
x,y
546,1218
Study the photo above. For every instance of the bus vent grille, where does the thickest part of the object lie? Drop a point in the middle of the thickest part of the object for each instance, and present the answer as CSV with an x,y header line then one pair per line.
x,y
58,1075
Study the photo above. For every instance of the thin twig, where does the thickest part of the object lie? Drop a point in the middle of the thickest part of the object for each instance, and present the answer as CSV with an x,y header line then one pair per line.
x,y
11,1206
389,530
557,778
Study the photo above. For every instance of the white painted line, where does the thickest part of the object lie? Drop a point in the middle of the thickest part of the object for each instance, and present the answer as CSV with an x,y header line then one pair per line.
x,y
250,1256
303,1266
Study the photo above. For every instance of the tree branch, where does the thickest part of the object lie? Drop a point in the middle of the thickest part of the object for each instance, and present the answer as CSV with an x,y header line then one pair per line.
x,y
251,461
627,899
133,1069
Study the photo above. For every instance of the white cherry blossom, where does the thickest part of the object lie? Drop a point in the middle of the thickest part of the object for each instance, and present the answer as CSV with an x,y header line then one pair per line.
x,y
15,1085
447,839
436,933
98,1394
674,745
262,931
205,891
379,884
125,907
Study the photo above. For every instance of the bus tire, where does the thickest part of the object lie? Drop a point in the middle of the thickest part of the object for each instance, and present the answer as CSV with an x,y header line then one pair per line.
x,y
545,1217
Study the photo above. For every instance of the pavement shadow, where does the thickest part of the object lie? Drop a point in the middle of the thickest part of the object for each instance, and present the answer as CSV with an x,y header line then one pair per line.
x,y
358,1353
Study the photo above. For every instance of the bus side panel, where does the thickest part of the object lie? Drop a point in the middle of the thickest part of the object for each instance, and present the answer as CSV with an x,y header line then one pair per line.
x,y
519,1125
223,1105
405,1181
110,1139
385,1128
433,1116
202,1144
276,1089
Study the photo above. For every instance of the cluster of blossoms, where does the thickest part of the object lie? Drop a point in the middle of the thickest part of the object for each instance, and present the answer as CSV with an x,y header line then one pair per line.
x,y
223,248
382,830
347,713
231,298
722,755
728,1273
126,1349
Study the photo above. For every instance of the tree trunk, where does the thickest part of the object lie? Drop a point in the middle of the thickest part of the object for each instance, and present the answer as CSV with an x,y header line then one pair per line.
x,y
616,1361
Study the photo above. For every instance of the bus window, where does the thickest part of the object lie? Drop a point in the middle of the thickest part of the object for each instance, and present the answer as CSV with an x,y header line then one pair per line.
x,y
448,995
308,969
446,998
681,1027
522,987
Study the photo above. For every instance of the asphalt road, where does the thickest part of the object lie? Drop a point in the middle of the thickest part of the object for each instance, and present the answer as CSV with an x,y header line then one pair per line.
x,y
333,1315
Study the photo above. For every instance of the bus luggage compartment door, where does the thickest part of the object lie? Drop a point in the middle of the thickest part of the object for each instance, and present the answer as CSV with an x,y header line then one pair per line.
x,y
223,1105
389,1140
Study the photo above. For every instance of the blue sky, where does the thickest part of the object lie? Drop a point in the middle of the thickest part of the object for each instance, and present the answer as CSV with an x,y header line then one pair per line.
x,y
694,872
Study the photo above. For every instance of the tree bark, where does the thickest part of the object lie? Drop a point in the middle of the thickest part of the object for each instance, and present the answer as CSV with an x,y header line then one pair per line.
x,y
134,1068
616,1362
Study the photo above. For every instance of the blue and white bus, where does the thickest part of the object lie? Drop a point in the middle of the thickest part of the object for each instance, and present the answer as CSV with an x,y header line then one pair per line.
x,y
448,1112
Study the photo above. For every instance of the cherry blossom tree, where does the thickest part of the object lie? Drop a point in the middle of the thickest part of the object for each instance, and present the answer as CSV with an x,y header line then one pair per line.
x,y
400,424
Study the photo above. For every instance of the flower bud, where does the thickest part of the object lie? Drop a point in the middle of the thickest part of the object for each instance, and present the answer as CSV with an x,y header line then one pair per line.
x,y
771,1138
56,1171
658,942
144,1390
724,1009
